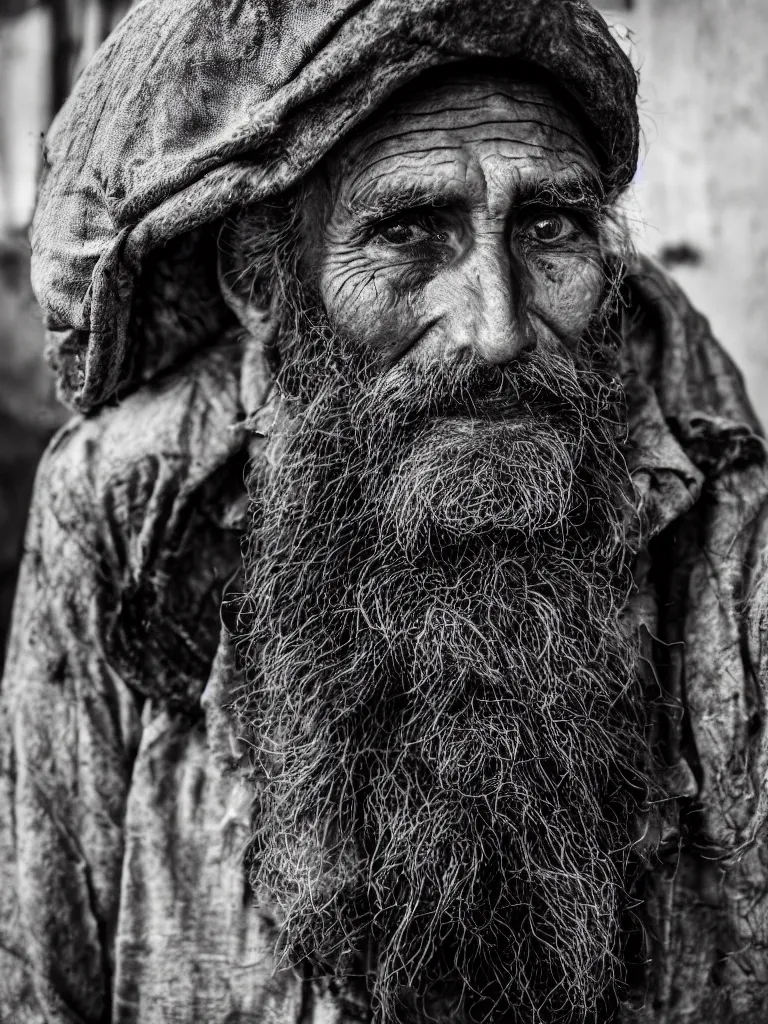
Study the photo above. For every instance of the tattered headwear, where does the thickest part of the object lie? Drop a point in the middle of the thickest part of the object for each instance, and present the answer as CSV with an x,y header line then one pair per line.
x,y
194,107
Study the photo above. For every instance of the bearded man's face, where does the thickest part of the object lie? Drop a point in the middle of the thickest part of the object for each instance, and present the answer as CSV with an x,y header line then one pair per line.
x,y
440,695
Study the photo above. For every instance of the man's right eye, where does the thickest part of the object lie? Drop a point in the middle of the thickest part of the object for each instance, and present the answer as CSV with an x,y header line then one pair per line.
x,y
410,229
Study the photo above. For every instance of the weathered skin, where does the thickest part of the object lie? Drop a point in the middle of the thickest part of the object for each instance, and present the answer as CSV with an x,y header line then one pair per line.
x,y
464,221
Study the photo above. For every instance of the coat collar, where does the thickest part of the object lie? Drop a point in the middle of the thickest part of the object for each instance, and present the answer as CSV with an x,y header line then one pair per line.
x,y
690,419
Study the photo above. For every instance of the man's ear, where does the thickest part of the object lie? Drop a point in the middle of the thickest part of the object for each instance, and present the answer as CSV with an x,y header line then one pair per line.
x,y
250,301
246,295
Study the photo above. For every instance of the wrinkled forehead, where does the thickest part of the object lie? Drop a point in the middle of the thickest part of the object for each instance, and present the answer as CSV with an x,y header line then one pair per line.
x,y
463,132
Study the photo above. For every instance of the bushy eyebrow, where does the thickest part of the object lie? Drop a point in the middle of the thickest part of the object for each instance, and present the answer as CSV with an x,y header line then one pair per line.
x,y
388,200
582,192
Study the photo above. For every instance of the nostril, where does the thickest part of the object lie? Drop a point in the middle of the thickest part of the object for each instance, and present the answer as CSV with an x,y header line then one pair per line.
x,y
503,348
529,339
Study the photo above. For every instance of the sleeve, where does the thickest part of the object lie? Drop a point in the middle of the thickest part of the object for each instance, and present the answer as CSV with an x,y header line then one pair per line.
x,y
70,726
128,548
706,905
726,685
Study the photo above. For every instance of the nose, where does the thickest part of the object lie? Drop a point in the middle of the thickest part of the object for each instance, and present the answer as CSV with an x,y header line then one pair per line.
x,y
482,302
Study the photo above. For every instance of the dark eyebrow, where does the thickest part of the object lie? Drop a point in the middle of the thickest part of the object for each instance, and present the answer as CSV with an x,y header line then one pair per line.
x,y
396,198
581,192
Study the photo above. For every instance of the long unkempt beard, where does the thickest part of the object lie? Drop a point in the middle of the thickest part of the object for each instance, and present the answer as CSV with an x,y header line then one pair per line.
x,y
440,695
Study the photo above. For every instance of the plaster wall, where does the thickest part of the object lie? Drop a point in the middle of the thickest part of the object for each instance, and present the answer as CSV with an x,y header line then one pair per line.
x,y
700,194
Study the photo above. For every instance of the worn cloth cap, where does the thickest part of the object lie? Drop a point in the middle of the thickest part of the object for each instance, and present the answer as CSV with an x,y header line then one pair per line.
x,y
194,107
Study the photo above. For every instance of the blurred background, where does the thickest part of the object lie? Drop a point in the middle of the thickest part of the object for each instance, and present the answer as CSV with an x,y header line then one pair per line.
x,y
698,202
43,47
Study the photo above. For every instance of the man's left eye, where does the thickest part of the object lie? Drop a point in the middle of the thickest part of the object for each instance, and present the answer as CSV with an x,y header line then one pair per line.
x,y
553,228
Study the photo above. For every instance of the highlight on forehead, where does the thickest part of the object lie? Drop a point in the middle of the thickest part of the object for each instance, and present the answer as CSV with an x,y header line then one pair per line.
x,y
490,87
435,96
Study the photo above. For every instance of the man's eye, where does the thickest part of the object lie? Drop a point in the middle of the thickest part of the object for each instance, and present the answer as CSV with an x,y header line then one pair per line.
x,y
553,228
410,231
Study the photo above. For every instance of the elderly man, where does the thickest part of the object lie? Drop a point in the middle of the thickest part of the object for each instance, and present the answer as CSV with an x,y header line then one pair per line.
x,y
470,726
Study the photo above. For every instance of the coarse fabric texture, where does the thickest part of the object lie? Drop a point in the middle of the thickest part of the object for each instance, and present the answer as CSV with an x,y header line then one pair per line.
x,y
193,107
122,815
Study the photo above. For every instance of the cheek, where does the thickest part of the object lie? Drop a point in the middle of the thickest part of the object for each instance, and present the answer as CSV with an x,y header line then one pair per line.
x,y
565,290
366,304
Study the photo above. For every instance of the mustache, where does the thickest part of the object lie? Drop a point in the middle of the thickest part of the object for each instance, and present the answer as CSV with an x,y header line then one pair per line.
x,y
520,448
380,407
535,384
324,365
